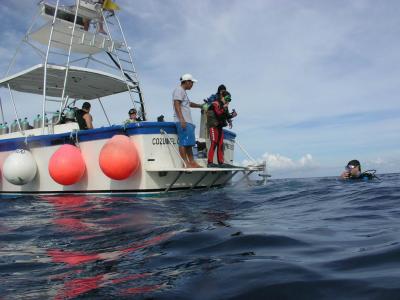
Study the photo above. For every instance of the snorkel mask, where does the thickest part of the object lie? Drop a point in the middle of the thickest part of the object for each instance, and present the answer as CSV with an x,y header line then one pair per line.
x,y
348,168
228,98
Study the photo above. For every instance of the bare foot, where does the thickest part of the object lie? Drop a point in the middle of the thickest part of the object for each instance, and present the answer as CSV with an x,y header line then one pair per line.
x,y
194,164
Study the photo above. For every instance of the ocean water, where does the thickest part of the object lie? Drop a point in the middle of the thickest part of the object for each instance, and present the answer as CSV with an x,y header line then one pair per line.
x,y
318,238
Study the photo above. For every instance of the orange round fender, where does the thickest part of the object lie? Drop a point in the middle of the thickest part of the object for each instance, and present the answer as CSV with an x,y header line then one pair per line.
x,y
119,158
66,165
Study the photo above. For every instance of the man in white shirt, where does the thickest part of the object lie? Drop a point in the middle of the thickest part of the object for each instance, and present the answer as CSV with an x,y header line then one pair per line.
x,y
183,119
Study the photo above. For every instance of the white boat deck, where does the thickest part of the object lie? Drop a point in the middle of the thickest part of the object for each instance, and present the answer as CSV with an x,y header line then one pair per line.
x,y
194,170
218,173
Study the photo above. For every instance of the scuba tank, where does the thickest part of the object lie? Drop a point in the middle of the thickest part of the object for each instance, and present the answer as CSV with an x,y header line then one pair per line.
x,y
56,118
36,122
6,128
14,126
25,124
70,115
40,121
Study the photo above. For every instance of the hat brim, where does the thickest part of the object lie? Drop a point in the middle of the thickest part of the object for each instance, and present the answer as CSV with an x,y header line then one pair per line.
x,y
191,79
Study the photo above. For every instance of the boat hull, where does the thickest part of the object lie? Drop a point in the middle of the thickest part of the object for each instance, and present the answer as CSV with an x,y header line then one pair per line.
x,y
160,166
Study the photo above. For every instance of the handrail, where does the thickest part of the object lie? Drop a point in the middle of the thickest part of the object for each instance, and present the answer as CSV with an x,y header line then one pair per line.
x,y
1,110
244,151
118,61
143,108
45,65
68,61
15,110
102,107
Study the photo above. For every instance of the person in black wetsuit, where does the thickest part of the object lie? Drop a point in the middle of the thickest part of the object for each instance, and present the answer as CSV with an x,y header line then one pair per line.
x,y
84,118
353,171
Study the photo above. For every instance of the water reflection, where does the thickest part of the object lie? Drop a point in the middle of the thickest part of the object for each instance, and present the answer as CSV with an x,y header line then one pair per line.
x,y
110,246
105,226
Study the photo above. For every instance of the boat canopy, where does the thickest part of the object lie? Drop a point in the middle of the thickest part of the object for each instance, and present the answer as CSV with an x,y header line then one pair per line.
x,y
82,83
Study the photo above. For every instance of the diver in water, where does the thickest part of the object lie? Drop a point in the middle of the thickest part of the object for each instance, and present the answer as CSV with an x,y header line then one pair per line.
x,y
353,171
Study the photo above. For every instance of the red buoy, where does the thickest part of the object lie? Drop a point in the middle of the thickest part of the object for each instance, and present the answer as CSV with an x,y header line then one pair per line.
x,y
119,158
66,166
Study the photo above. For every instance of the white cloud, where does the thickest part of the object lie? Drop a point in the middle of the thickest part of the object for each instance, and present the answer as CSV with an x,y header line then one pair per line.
x,y
277,163
388,164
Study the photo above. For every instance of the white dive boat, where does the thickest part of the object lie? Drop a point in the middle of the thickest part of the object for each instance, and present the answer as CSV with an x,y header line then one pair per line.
x,y
54,156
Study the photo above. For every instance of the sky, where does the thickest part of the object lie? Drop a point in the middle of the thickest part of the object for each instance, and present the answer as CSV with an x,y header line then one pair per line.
x,y
315,83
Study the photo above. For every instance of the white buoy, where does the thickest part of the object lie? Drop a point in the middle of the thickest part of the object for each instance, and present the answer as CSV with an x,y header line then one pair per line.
x,y
20,167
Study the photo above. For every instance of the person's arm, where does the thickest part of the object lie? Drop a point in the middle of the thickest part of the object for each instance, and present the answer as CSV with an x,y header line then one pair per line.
x,y
345,175
89,121
178,111
195,105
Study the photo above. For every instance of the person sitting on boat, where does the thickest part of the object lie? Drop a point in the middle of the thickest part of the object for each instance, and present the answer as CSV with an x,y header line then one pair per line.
x,y
353,171
218,116
183,119
84,118
133,118
217,95
100,29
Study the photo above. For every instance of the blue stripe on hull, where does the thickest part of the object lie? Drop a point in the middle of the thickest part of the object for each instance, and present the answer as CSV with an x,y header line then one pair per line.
x,y
94,134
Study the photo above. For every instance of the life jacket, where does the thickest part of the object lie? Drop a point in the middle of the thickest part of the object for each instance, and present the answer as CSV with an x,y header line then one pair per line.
x,y
79,113
217,115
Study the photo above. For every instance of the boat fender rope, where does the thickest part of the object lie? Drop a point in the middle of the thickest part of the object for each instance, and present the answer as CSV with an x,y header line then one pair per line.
x,y
74,139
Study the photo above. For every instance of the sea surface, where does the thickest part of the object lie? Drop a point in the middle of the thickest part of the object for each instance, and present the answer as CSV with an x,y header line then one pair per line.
x,y
318,238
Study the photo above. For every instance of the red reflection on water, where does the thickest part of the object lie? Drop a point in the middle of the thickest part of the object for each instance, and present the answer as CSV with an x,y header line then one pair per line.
x,y
75,205
150,242
79,286
76,287
71,257
76,202
77,257
72,223
64,217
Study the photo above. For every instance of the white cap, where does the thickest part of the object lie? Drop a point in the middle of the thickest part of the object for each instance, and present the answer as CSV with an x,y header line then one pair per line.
x,y
188,77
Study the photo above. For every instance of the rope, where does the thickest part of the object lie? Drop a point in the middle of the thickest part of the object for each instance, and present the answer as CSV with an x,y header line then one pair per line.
x,y
245,152
162,131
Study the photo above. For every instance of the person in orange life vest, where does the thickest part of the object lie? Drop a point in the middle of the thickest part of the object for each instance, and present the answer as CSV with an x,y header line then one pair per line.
x,y
218,116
